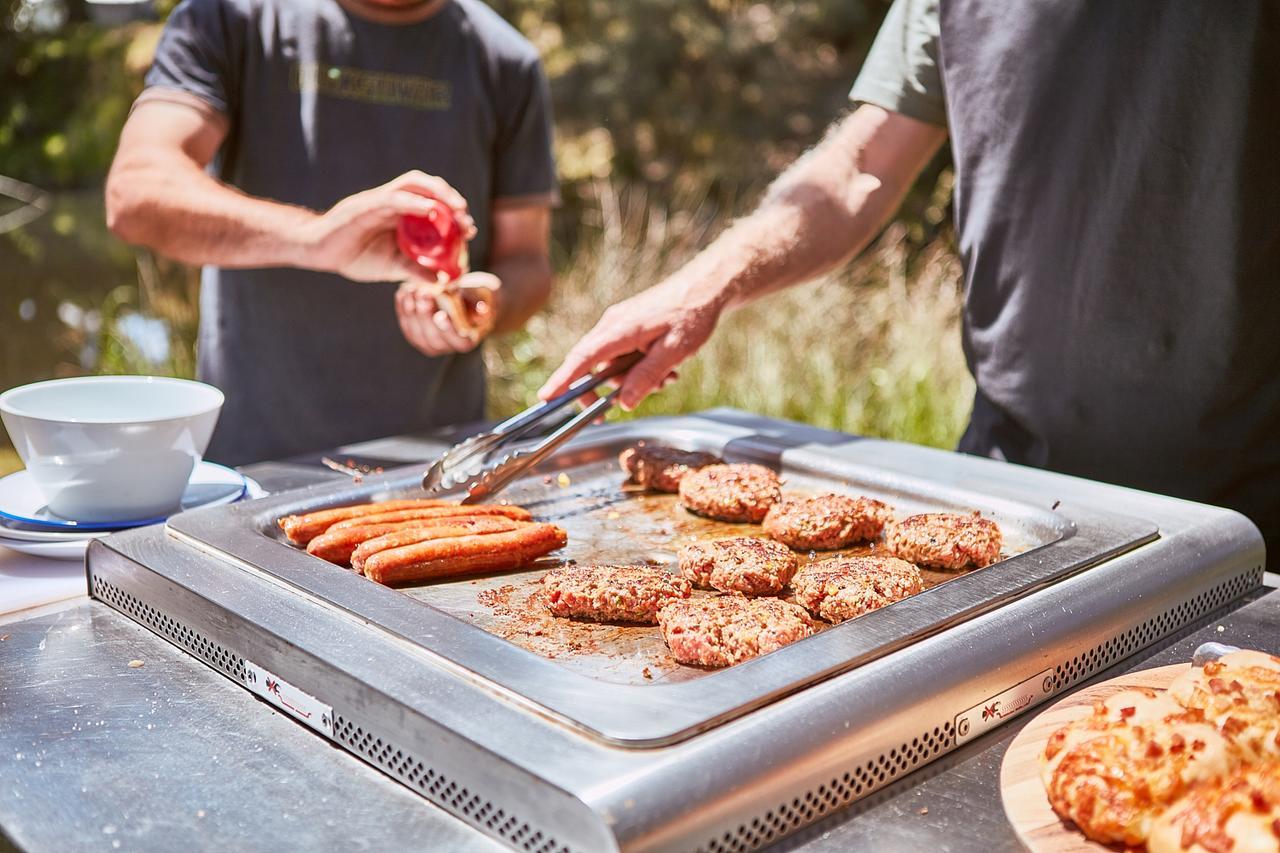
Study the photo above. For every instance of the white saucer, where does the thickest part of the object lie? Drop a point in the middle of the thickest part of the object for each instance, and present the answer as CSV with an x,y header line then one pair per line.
x,y
22,506
73,550
60,545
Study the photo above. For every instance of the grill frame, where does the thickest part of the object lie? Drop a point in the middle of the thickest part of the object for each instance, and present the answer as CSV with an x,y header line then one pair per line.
x,y
787,759
1078,537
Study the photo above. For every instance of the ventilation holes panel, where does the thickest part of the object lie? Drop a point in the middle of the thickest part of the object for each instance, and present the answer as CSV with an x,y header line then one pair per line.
x,y
443,791
1140,636
818,802
171,629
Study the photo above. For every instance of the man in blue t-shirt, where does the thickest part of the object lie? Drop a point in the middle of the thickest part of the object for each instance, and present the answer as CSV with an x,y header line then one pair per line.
x,y
278,143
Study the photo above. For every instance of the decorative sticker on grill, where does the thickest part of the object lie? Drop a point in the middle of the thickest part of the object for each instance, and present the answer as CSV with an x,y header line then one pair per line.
x,y
984,717
294,702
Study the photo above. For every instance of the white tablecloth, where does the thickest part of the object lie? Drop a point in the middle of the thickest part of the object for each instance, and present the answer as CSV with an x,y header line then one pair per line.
x,y
27,581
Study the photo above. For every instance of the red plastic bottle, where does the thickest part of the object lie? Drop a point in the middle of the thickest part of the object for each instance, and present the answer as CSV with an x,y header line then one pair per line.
x,y
434,241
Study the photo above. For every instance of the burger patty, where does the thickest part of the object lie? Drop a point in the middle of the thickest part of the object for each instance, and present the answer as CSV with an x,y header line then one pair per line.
x,y
945,540
730,629
846,587
741,492
742,564
826,522
612,593
660,469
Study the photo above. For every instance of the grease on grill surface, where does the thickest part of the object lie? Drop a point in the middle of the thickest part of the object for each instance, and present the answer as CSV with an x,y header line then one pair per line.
x,y
610,522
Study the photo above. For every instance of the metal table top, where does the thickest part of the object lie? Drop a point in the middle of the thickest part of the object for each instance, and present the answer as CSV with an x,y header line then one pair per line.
x,y
96,754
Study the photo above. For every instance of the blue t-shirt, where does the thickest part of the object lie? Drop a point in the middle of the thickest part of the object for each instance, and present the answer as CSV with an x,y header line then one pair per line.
x,y
323,103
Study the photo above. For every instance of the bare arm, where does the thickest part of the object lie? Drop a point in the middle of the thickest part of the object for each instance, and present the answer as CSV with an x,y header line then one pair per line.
x,y
158,195
514,288
817,215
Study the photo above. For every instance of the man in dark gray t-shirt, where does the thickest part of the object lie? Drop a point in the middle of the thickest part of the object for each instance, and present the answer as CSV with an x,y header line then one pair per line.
x,y
1117,200
278,142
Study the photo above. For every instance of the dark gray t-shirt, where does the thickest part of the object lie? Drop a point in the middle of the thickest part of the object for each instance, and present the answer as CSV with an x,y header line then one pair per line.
x,y
1118,213
323,103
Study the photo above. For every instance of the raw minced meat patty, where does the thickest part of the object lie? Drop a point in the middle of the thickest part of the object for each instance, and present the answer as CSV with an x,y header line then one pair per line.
x,y
612,593
945,540
846,587
826,522
730,629
742,564
659,468
740,492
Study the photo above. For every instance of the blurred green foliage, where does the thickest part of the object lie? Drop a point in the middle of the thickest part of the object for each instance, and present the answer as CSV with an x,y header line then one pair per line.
x,y
63,98
702,99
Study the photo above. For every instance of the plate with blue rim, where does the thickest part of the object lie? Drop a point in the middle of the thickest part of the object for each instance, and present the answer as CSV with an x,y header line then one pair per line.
x,y
23,514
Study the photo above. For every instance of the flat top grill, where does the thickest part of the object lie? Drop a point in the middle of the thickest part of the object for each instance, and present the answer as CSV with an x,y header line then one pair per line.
x,y
620,683
609,522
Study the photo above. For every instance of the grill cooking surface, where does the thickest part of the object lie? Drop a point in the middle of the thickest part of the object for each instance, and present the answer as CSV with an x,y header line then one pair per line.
x,y
611,522
619,682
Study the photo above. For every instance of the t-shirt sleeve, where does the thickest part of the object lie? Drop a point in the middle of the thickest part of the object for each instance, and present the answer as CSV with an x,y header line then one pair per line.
x,y
524,168
199,54
901,72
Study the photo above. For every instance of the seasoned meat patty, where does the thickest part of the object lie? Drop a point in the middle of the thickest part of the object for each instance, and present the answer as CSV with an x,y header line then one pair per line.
x,y
742,564
730,629
612,593
741,492
945,540
659,468
826,522
846,587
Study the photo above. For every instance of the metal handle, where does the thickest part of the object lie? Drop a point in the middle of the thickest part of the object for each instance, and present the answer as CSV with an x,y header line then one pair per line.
x,y
517,424
500,477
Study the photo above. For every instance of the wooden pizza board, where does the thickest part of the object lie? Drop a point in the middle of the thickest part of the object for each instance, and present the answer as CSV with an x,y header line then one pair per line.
x,y
1025,802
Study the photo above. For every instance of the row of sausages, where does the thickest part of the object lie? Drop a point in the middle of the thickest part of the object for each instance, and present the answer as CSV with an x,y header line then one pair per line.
x,y
406,541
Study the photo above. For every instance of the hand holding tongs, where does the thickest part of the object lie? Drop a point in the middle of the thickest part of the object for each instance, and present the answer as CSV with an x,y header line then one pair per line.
x,y
466,463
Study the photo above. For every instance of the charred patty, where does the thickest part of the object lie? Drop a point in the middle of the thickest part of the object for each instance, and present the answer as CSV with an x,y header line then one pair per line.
x,y
659,468
846,587
945,540
826,522
612,593
741,564
741,492
730,629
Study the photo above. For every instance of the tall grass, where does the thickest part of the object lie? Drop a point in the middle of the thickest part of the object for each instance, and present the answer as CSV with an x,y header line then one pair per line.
x,y
873,349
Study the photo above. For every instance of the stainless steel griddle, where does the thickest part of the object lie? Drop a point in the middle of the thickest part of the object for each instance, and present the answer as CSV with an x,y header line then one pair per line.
x,y
594,739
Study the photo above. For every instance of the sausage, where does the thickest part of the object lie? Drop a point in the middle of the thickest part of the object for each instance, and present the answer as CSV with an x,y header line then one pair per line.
x,y
412,532
464,555
337,546
518,513
301,529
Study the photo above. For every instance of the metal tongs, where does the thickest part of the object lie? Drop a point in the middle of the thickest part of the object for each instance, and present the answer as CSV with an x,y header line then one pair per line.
x,y
467,465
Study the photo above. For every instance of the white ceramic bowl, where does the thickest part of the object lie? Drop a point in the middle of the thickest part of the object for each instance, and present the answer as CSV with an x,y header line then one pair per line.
x,y
111,448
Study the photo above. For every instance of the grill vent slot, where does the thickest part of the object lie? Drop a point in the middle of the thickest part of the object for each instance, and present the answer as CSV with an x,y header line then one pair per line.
x,y
861,781
1100,657
221,659
821,801
443,791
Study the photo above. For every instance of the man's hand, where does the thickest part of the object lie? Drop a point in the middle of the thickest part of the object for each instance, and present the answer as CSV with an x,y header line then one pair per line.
x,y
356,238
160,196
669,323
819,213
457,320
